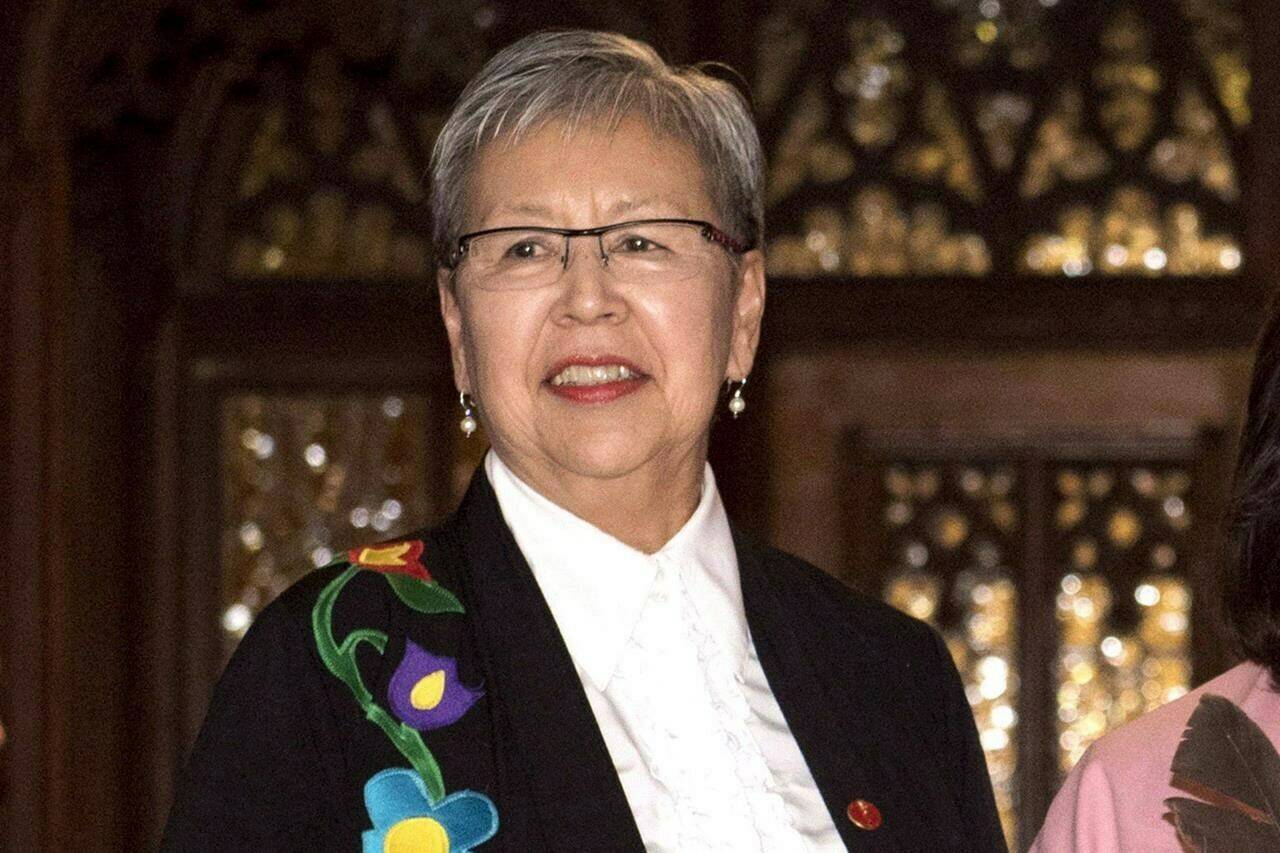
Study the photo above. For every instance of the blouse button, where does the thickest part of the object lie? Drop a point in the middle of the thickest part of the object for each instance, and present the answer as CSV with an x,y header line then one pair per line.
x,y
864,815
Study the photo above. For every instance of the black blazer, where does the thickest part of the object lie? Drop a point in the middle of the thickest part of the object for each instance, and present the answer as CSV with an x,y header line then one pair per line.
x,y
871,696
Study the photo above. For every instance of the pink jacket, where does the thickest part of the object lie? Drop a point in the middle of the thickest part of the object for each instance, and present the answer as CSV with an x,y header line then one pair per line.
x,y
1113,800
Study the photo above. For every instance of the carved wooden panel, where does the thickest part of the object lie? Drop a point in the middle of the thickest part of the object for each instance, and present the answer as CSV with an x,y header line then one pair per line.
x,y
1061,580
954,547
978,137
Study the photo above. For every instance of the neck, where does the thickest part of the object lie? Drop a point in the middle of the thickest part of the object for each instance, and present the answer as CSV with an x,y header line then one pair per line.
x,y
643,508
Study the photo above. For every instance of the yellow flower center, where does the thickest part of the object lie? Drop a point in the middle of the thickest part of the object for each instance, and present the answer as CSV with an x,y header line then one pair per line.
x,y
389,555
428,692
416,835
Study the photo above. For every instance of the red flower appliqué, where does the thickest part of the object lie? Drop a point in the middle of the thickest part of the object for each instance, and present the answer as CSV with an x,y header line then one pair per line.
x,y
396,558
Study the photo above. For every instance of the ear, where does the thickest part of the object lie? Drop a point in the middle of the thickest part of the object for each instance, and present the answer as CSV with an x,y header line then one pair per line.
x,y
748,310
451,312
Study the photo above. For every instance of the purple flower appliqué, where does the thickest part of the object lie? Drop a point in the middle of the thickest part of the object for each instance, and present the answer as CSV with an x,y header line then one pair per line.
x,y
425,691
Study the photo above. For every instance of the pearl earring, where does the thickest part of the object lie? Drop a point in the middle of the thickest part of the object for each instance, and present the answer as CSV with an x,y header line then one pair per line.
x,y
737,405
468,423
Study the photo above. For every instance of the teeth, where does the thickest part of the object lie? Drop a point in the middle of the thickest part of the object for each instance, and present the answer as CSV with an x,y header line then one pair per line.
x,y
582,374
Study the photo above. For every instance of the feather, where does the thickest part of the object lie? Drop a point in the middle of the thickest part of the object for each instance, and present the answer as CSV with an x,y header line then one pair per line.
x,y
1205,828
1225,751
1230,763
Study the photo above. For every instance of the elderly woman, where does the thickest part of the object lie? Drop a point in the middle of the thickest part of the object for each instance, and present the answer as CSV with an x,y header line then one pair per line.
x,y
587,656
1146,787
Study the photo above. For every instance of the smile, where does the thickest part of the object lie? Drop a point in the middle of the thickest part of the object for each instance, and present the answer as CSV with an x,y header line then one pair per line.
x,y
594,379
585,375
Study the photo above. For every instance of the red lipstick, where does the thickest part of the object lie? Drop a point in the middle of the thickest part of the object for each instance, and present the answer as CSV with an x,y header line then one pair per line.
x,y
605,392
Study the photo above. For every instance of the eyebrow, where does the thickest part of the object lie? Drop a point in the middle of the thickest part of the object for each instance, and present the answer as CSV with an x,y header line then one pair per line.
x,y
627,205
527,207
622,206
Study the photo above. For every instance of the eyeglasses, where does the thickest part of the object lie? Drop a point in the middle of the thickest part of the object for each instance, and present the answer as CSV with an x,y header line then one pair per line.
x,y
641,251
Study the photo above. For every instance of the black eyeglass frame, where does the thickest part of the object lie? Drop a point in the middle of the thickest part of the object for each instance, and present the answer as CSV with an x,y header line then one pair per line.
x,y
710,232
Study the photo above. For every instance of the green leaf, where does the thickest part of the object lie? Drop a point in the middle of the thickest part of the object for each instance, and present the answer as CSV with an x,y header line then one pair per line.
x,y
424,597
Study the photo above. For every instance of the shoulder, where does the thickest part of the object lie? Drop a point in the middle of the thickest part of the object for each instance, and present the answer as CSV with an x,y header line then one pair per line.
x,y
379,568
847,631
372,585
286,744
838,606
363,591
1143,748
866,641
1146,745
1115,794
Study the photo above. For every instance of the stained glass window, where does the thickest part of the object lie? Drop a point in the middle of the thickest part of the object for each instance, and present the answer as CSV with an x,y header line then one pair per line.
x,y
975,137
965,544
304,478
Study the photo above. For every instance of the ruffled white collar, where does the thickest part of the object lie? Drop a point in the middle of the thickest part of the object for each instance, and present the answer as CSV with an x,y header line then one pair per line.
x,y
597,586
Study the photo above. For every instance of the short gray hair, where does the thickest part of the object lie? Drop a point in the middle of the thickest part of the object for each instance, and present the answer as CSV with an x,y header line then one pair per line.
x,y
580,75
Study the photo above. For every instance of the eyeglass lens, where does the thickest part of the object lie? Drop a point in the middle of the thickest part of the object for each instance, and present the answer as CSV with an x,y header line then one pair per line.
x,y
638,253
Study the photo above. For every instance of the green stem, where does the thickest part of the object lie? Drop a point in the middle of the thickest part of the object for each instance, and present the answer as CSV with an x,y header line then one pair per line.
x,y
377,639
340,660
412,747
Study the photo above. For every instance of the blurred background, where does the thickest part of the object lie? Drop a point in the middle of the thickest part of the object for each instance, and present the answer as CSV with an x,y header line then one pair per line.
x,y
1018,251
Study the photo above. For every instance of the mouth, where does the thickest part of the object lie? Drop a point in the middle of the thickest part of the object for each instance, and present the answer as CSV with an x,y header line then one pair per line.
x,y
581,375
595,379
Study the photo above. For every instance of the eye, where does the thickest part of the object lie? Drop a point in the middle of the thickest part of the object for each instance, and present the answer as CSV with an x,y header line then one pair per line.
x,y
636,244
529,248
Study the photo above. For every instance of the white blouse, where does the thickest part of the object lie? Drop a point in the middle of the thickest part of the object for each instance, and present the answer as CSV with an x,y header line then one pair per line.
x,y
704,754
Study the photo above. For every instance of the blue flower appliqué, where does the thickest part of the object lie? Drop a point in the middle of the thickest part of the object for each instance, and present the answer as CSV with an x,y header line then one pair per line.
x,y
405,821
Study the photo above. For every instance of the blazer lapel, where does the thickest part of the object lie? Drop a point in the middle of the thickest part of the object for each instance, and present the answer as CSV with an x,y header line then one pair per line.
x,y
849,750
579,801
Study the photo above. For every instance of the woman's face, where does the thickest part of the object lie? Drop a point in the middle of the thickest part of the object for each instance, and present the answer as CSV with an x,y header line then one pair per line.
x,y
523,354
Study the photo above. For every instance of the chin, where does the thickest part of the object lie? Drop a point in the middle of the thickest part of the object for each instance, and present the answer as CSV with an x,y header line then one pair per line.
x,y
604,455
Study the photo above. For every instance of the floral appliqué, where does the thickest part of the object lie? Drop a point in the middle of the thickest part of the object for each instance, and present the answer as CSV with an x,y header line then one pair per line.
x,y
409,809
405,820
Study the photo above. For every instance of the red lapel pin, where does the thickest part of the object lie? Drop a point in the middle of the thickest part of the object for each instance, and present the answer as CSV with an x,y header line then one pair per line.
x,y
864,815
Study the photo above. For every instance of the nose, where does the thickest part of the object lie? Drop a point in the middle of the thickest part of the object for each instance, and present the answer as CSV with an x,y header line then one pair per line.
x,y
589,294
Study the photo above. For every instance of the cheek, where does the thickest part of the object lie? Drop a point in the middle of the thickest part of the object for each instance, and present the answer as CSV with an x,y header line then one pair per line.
x,y
500,333
695,336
